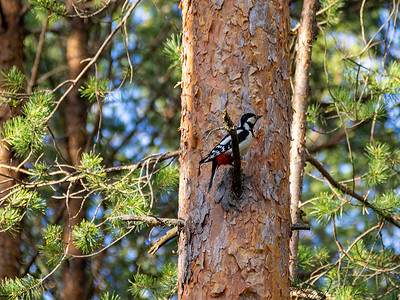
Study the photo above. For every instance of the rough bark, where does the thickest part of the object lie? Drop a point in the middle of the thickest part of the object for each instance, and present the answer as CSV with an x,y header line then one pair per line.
x,y
11,53
235,56
75,115
299,122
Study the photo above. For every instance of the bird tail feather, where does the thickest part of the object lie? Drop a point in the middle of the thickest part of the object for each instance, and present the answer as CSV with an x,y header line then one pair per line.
x,y
214,168
203,160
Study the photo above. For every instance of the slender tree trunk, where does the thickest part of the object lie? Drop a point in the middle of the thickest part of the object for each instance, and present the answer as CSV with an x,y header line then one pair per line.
x,y
299,122
235,56
11,54
74,279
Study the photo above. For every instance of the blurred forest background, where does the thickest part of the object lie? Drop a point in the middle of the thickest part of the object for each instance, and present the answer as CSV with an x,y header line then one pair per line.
x,y
80,156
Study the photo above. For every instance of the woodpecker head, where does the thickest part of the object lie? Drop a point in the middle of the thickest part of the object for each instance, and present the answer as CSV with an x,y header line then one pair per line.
x,y
248,121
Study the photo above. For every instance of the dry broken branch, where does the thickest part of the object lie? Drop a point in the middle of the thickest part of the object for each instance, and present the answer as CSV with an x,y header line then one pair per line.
x,y
162,222
164,239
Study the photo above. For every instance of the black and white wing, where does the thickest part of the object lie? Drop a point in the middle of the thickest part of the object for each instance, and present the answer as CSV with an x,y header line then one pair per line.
x,y
225,146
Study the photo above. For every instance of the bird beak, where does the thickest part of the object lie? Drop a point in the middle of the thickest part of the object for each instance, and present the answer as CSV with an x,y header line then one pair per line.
x,y
257,117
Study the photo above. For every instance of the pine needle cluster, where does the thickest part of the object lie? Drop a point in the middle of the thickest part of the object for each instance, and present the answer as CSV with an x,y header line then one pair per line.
x,y
173,50
25,133
162,287
27,288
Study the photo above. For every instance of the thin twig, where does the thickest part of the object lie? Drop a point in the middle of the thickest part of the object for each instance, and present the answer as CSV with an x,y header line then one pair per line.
x,y
39,52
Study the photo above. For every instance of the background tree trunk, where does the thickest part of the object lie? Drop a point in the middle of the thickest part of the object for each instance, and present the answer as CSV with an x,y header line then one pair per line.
x,y
236,56
11,54
299,122
74,279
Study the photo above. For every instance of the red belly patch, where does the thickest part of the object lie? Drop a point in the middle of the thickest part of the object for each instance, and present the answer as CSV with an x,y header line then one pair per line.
x,y
224,159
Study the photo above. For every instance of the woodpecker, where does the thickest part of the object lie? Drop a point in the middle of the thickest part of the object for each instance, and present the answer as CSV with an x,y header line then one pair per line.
x,y
222,153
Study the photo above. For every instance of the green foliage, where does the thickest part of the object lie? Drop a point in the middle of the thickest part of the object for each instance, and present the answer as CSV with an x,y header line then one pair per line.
x,y
9,218
332,15
133,195
52,247
108,296
387,84
389,203
13,79
25,133
125,200
370,109
326,206
314,114
54,7
348,286
162,287
87,236
363,255
27,200
95,3
94,87
173,50
40,170
151,95
18,202
91,163
166,180
349,292
27,288
305,257
353,109
309,259
379,170
92,169
152,103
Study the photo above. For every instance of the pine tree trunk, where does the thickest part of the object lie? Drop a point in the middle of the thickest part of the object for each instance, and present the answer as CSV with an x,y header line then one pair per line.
x,y
11,54
74,279
235,56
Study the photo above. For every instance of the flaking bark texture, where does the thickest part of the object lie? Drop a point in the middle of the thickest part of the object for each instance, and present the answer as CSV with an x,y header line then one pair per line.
x,y
299,122
11,53
74,279
235,56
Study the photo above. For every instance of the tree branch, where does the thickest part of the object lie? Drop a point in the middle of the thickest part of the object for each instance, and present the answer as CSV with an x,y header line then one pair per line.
x,y
237,165
51,73
161,222
177,224
160,158
76,175
346,190
300,226
164,239
334,140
